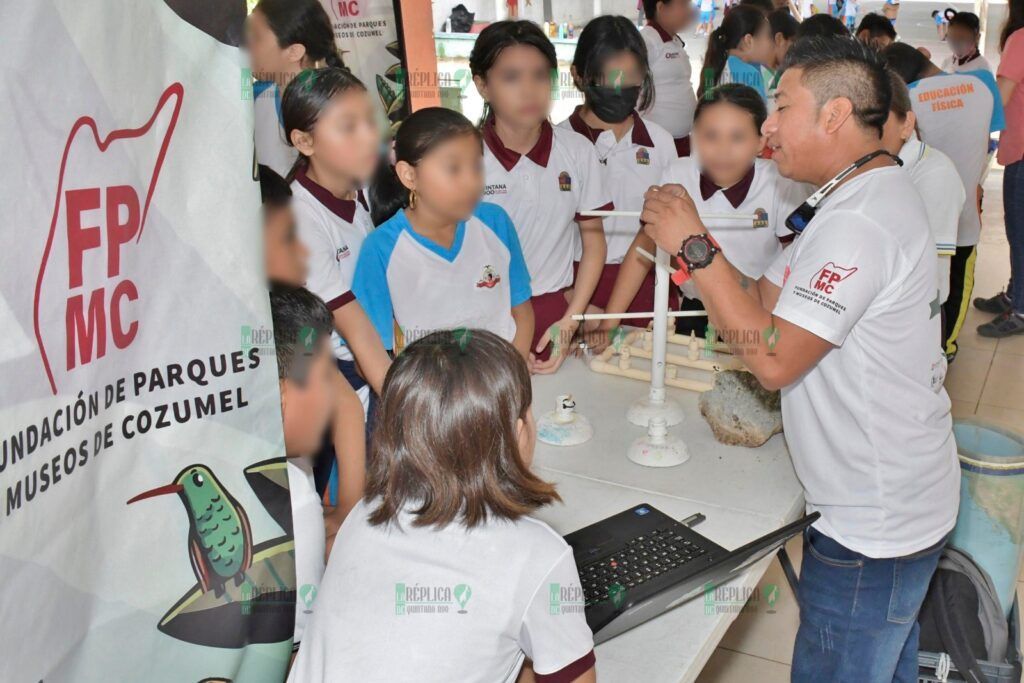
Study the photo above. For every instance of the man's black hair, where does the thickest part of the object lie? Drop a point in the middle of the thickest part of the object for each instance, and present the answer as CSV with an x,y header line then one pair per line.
x,y
906,60
839,67
876,25
821,25
273,188
301,322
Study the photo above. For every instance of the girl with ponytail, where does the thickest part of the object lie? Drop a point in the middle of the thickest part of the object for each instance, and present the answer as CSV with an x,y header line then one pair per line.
x,y
283,38
442,259
737,49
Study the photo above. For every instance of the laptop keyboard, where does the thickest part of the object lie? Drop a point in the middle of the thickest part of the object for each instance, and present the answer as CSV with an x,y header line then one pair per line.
x,y
641,559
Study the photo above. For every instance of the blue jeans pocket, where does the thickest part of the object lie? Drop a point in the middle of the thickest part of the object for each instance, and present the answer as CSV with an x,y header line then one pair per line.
x,y
827,551
910,578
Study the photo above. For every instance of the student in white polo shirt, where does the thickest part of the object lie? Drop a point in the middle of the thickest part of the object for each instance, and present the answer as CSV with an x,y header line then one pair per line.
x,y
726,176
284,37
443,259
672,102
956,113
963,36
850,341
932,173
543,177
610,68
439,574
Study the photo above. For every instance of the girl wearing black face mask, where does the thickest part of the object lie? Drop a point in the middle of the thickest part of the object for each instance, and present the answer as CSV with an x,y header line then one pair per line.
x,y
610,68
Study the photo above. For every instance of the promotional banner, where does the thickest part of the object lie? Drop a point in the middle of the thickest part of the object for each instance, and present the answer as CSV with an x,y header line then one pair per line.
x,y
145,528
367,34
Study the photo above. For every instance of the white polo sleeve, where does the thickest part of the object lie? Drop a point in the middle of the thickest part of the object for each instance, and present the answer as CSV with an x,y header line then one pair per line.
x,y
839,268
554,632
325,278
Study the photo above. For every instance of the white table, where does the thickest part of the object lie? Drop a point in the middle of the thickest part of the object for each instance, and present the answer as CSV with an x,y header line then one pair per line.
x,y
744,493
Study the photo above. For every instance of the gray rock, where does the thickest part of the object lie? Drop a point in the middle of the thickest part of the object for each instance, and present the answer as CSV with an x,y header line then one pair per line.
x,y
740,411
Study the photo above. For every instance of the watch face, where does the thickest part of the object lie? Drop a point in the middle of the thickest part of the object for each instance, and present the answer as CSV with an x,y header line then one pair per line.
x,y
696,251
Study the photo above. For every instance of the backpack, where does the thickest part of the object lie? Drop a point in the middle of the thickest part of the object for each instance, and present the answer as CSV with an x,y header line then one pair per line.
x,y
961,616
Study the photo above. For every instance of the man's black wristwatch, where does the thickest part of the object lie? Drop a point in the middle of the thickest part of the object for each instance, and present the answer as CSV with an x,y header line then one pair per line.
x,y
696,252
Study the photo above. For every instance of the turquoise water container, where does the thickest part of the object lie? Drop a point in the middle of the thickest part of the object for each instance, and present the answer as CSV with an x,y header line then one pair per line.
x,y
990,525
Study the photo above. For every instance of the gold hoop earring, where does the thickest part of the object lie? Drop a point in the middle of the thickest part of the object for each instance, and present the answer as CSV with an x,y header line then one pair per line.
x,y
412,199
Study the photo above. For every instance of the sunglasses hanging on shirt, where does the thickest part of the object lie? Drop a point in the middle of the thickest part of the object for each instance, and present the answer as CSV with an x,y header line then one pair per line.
x,y
801,217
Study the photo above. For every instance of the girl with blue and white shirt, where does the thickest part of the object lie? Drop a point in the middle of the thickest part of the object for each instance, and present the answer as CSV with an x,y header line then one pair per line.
x,y
737,49
441,259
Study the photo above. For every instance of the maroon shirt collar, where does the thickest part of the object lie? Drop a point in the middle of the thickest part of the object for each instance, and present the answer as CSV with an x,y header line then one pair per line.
x,y
960,61
343,208
640,136
666,37
508,158
735,194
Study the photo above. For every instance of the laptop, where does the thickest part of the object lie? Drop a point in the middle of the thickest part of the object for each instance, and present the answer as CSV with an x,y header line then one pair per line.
x,y
641,563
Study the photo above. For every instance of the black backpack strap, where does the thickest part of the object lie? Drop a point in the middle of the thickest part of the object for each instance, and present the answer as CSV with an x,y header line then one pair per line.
x,y
953,636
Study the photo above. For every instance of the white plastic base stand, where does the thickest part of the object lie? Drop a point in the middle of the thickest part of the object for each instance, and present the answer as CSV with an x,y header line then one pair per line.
x,y
655,406
563,426
658,449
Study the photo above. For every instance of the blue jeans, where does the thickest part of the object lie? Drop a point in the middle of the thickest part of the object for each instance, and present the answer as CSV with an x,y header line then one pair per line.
x,y
1013,208
858,615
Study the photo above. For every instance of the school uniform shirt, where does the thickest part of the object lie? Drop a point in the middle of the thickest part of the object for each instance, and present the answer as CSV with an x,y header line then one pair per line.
x,y
543,192
955,114
405,277
762,192
403,603
271,147
674,99
868,427
972,62
332,230
310,542
629,166
738,71
937,182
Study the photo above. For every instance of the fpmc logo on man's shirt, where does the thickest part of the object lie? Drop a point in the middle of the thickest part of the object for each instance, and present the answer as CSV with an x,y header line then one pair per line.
x,y
829,276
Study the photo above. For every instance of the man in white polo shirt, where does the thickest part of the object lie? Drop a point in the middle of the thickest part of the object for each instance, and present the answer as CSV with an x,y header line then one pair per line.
x,y
851,341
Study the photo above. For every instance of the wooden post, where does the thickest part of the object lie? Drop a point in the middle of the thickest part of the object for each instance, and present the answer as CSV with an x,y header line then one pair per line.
x,y
420,55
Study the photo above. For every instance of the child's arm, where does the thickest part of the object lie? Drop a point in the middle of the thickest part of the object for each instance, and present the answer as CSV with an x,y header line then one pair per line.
x,y
595,248
348,433
631,275
362,338
523,315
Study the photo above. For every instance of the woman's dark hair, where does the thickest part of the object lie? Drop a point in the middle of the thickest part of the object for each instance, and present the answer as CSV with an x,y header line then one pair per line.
x,y
444,445
822,26
417,136
967,20
306,97
876,25
740,21
603,37
906,60
783,22
766,6
302,22
1014,21
839,67
738,95
274,191
500,35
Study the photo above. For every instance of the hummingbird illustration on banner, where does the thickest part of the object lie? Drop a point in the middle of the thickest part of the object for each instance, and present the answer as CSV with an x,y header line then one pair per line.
x,y
219,537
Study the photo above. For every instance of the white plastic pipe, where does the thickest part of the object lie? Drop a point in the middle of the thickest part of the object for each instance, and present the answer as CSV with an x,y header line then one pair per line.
x,y
636,214
615,316
661,278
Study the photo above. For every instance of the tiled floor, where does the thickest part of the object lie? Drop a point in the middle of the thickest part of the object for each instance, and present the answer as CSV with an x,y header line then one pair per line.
x,y
987,381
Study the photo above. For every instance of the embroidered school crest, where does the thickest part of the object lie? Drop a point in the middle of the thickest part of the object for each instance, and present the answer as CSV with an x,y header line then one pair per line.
x,y
760,218
643,157
565,182
489,279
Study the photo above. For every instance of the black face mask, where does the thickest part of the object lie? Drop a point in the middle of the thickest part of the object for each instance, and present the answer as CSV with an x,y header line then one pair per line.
x,y
612,105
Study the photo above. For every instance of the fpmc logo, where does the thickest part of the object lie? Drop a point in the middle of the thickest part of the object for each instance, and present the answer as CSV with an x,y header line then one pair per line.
x,y
829,276
91,266
345,8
